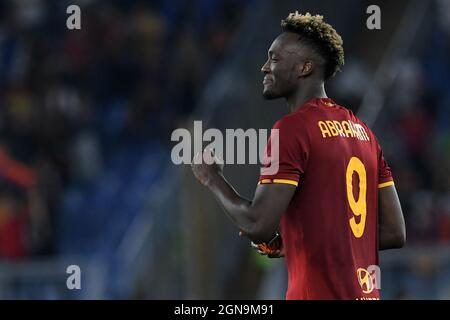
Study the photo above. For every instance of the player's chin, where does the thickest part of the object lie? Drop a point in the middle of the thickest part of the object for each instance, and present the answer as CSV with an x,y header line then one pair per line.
x,y
269,94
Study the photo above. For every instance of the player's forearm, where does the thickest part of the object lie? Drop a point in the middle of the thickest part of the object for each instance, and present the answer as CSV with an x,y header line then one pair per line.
x,y
391,224
390,240
238,209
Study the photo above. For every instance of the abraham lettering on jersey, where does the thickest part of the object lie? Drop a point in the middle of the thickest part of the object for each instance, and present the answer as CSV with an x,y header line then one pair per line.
x,y
345,129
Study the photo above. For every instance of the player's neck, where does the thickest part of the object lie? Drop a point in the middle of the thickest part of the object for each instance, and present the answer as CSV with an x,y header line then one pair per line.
x,y
304,94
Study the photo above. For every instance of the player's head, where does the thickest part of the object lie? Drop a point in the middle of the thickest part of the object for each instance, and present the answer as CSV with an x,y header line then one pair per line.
x,y
308,48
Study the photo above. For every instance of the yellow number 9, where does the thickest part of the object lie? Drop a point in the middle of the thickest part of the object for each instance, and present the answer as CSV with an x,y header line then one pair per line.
x,y
359,206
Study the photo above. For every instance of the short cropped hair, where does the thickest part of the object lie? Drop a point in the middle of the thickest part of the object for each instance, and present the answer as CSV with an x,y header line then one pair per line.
x,y
321,36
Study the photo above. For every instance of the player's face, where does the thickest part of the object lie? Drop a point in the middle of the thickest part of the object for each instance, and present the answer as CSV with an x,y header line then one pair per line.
x,y
280,78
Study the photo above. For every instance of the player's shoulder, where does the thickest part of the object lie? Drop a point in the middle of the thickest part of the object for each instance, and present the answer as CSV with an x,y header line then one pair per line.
x,y
362,123
292,120
372,136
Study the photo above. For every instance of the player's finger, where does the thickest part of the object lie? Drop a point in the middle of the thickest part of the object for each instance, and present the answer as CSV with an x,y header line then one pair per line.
x,y
218,159
209,152
194,160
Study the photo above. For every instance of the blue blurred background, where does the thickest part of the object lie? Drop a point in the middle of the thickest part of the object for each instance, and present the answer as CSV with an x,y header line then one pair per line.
x,y
86,118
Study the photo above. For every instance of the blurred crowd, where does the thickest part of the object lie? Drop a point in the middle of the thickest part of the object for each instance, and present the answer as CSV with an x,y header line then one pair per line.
x,y
414,127
69,97
419,135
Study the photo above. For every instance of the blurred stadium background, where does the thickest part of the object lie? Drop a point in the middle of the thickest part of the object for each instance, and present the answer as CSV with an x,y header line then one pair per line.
x,y
85,124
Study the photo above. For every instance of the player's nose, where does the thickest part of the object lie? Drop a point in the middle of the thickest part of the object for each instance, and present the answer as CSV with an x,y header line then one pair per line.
x,y
265,68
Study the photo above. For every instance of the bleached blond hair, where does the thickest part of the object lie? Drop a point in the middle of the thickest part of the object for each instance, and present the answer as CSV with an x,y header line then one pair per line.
x,y
321,36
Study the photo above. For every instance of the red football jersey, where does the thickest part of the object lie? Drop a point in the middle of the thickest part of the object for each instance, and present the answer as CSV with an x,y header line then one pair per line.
x,y
329,229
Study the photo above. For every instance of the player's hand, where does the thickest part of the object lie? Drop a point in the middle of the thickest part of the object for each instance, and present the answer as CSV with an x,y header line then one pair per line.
x,y
203,171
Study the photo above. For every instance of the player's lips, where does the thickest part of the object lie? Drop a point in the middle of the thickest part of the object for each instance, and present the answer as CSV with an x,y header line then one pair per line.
x,y
267,81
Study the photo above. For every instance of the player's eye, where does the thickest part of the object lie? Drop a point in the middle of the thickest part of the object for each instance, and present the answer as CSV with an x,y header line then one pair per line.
x,y
274,60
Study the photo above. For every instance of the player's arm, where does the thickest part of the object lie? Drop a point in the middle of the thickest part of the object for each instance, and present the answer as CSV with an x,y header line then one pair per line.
x,y
392,231
258,218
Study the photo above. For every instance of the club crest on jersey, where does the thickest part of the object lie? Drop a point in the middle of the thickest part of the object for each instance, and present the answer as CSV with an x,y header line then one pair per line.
x,y
369,279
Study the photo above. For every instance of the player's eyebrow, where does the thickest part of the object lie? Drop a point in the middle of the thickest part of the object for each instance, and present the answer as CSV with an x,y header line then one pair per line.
x,y
291,51
272,52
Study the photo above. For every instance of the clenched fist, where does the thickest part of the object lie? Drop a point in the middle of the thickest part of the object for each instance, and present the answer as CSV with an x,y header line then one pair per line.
x,y
208,167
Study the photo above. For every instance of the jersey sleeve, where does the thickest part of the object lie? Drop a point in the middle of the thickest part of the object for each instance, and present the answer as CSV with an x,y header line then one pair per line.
x,y
285,161
385,178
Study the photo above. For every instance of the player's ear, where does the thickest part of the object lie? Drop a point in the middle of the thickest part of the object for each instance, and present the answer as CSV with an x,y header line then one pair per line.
x,y
306,68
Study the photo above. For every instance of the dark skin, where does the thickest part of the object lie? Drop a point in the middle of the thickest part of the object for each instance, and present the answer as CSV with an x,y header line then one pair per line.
x,y
295,72
391,224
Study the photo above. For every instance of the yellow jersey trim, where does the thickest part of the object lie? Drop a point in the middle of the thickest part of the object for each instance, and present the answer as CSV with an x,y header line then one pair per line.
x,y
285,181
386,184
281,181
